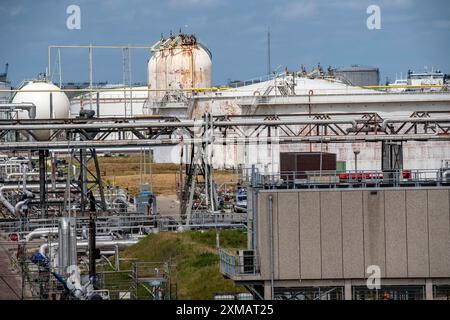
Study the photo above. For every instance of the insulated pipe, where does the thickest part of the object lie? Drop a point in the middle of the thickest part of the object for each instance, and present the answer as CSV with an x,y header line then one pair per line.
x,y
412,120
8,205
183,124
20,174
39,232
28,106
102,125
84,244
18,206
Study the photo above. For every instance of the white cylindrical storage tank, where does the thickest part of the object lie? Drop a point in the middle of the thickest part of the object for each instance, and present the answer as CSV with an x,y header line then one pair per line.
x,y
181,63
244,296
223,296
50,102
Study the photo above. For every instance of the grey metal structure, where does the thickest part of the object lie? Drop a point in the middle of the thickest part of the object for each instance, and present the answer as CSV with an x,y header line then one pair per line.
x,y
90,133
326,232
358,75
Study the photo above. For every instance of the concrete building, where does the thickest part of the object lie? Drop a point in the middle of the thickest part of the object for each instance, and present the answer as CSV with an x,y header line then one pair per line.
x,y
326,243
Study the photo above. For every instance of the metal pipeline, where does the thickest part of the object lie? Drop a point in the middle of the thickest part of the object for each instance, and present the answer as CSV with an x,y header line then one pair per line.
x,y
102,125
20,175
19,205
84,244
28,106
188,124
39,232
6,203
9,206
412,120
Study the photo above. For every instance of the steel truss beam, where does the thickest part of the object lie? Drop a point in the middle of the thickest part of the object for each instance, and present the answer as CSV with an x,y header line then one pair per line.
x,y
293,128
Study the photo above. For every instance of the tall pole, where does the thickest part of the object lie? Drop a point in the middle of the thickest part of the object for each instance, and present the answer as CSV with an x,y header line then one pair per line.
x,y
129,82
42,182
59,67
90,77
49,62
150,160
92,273
268,52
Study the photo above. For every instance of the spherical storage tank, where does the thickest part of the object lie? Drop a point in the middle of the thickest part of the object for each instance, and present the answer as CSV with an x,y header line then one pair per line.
x,y
180,62
38,93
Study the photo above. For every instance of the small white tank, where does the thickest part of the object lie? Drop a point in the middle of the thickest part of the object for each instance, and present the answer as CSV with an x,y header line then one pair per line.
x,y
244,296
222,296
39,94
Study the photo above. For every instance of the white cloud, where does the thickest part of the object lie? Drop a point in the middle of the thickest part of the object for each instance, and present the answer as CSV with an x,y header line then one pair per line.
x,y
296,10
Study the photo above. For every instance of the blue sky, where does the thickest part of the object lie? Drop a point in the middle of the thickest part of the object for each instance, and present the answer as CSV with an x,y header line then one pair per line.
x,y
413,34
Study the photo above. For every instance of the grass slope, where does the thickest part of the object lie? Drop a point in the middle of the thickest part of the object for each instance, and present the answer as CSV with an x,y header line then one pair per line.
x,y
195,255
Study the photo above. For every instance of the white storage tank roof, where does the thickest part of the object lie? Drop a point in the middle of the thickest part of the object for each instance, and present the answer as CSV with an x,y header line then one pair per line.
x,y
49,100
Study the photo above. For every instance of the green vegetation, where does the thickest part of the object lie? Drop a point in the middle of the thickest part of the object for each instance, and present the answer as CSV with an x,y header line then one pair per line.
x,y
195,255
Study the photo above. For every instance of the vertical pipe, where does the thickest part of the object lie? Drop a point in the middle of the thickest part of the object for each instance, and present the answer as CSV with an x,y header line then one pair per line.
x,y
254,212
42,182
59,68
82,183
268,52
320,168
24,177
117,257
92,273
53,168
150,160
90,76
72,242
49,61
205,158
129,80
98,104
272,262
51,105
210,155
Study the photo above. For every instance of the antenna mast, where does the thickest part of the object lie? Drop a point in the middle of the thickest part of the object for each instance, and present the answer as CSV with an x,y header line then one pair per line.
x,y
268,52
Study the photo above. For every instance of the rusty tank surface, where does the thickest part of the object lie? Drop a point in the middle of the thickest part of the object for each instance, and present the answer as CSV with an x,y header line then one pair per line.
x,y
180,62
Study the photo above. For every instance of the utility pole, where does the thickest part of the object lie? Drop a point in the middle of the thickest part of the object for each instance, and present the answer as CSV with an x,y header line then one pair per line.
x,y
90,77
268,52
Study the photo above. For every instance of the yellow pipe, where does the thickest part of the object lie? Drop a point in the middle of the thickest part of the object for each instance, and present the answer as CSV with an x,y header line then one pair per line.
x,y
404,86
112,90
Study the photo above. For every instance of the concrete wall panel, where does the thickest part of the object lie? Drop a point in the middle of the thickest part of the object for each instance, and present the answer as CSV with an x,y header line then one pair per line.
x,y
352,234
331,234
439,232
396,252
289,240
310,247
374,237
417,233
263,235
335,234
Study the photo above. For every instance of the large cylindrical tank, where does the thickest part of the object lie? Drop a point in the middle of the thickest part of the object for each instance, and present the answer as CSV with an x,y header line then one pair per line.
x,y
50,102
357,75
181,63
